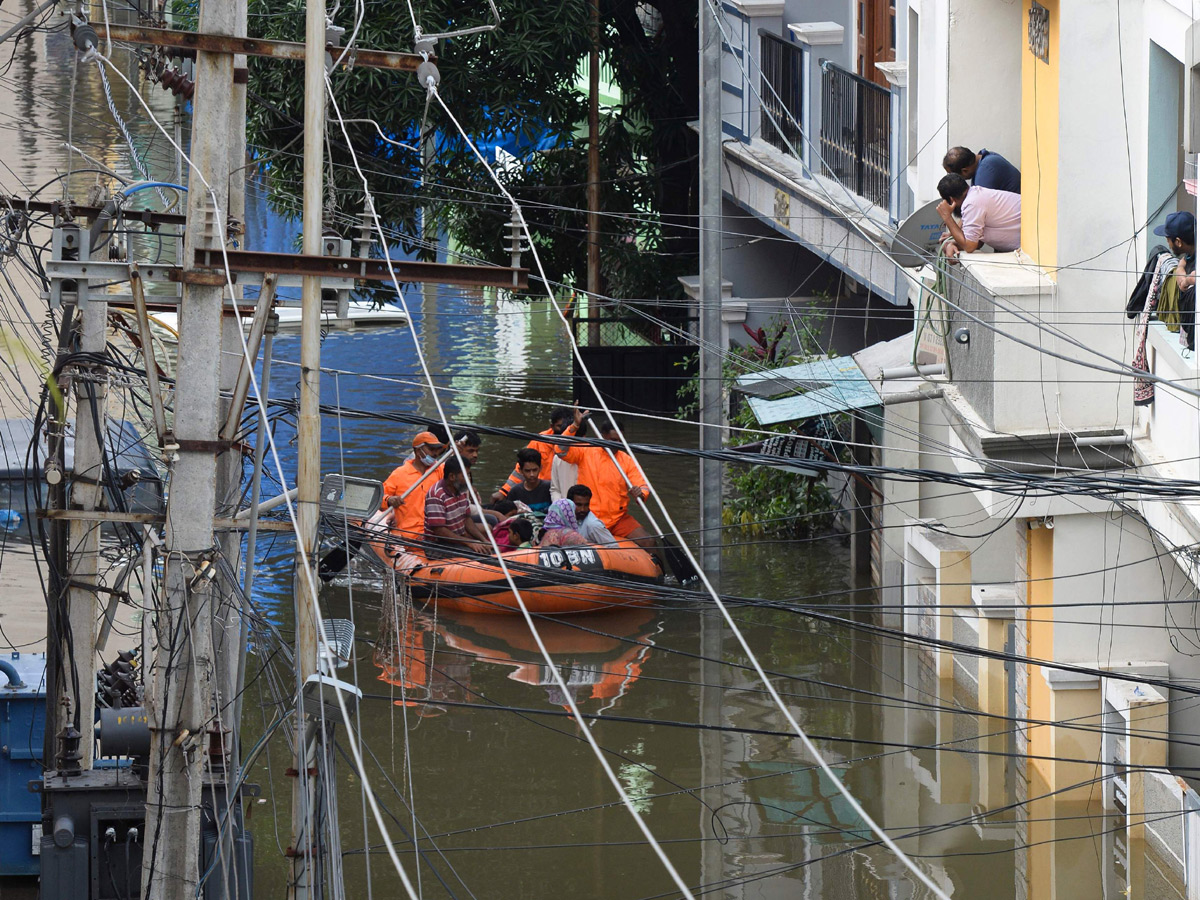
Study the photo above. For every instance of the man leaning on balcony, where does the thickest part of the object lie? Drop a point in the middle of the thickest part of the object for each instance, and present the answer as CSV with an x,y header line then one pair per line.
x,y
987,217
983,169
1180,232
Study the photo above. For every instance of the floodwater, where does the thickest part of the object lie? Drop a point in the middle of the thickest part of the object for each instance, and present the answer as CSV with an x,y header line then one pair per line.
x,y
468,742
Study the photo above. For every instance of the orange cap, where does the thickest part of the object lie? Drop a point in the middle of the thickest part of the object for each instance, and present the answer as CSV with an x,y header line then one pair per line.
x,y
425,438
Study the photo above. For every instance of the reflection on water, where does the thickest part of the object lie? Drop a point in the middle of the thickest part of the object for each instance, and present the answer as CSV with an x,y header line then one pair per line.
x,y
509,802
600,657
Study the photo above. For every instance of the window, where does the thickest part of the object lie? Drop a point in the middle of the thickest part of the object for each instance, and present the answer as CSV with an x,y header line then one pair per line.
x,y
914,82
1164,145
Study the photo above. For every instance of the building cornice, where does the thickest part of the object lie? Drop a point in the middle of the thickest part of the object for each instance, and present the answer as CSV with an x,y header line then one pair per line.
x,y
818,34
757,9
895,72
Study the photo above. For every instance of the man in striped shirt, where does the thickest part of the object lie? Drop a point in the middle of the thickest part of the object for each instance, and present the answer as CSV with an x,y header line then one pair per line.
x,y
449,527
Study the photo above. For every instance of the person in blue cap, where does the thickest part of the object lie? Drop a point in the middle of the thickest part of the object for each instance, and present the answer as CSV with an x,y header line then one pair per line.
x,y
1180,232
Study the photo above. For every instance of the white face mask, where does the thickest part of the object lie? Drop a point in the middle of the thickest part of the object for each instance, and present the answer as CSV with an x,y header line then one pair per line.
x,y
427,460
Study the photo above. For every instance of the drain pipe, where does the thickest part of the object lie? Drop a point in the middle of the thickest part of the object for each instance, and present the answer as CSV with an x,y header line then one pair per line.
x,y
912,372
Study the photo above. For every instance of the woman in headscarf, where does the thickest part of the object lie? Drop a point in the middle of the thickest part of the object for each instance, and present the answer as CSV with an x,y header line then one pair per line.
x,y
560,528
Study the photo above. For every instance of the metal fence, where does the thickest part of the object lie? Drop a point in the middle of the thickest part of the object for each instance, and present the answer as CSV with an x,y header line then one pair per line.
x,y
630,331
782,90
856,133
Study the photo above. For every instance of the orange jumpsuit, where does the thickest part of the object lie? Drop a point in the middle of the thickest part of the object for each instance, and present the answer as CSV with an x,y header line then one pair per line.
x,y
409,521
547,450
610,494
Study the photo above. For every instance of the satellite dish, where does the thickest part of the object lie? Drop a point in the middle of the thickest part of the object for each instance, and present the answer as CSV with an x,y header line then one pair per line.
x,y
918,237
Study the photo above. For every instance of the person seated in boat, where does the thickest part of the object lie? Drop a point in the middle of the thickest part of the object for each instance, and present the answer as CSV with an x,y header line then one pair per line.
x,y
408,521
614,479
468,446
590,527
507,510
533,490
560,528
515,533
560,423
449,528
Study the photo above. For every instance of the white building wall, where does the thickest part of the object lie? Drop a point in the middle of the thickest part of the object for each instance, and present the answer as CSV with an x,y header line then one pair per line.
x,y
967,83
984,77
1113,562
932,103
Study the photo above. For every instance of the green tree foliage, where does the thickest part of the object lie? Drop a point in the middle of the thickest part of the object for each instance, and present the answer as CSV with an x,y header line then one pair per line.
x,y
518,79
761,499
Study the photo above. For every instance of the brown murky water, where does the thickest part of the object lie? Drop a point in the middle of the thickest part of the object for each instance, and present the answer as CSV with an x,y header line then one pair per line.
x,y
468,741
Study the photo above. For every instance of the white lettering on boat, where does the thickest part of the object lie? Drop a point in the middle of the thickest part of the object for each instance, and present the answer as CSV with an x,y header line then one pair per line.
x,y
578,557
581,557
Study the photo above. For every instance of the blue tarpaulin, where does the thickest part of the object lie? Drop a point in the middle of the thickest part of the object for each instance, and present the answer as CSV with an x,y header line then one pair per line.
x,y
818,388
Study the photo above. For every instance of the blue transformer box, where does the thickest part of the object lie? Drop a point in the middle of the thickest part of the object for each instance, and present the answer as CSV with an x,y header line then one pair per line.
x,y
22,729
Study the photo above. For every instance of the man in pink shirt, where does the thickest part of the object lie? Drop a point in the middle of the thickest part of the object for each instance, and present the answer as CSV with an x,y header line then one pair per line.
x,y
987,216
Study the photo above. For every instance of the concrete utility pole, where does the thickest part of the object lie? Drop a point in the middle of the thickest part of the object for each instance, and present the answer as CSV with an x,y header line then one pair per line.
x,y
593,187
180,704
711,350
308,433
87,493
227,618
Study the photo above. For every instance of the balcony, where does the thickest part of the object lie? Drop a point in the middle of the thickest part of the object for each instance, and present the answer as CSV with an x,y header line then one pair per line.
x,y
782,92
815,146
856,133
1172,421
1006,338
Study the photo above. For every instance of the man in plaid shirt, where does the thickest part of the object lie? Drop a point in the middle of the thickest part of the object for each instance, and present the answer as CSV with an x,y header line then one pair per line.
x,y
448,523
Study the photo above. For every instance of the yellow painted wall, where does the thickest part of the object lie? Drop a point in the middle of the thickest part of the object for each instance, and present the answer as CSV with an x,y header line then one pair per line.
x,y
1039,144
1039,568
1040,628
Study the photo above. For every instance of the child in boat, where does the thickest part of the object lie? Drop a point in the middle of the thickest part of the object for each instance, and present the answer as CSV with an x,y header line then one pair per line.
x,y
532,490
513,533
561,528
520,533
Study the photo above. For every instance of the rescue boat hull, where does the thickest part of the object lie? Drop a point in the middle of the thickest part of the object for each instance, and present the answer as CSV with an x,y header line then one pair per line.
x,y
551,581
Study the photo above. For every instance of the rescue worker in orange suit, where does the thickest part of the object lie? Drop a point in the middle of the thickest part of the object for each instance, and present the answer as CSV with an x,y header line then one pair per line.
x,y
409,521
560,423
610,492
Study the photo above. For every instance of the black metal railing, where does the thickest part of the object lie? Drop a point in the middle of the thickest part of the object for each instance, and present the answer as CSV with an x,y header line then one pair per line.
x,y
631,331
856,133
782,90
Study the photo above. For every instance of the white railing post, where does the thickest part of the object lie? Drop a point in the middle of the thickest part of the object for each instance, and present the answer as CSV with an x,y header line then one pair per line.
x,y
897,75
807,86
810,35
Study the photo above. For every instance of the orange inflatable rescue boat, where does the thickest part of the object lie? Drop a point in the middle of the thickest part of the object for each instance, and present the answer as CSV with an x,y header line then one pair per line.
x,y
551,581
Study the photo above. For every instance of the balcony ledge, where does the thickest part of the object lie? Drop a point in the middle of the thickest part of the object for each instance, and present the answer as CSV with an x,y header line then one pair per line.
x,y
1177,358
1008,274
820,191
